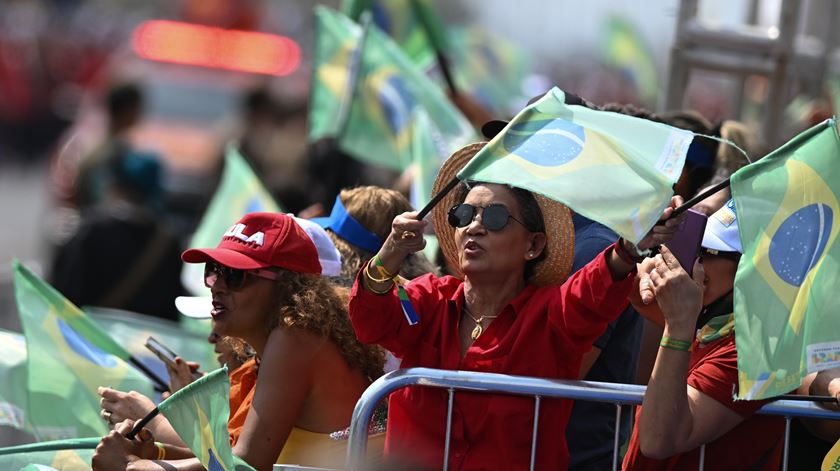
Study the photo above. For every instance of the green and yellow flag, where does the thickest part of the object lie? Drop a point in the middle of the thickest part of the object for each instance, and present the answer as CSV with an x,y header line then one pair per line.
x,y
240,192
388,87
625,49
13,394
60,455
68,358
199,413
785,287
131,330
490,68
615,169
412,24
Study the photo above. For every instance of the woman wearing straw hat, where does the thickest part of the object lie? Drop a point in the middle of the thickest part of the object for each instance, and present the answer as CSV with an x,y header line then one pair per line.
x,y
507,312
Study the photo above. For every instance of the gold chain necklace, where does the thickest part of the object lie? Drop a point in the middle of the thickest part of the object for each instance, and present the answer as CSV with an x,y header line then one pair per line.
x,y
479,328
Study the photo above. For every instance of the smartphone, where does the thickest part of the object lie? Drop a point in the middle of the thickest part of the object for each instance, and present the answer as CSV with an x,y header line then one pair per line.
x,y
685,245
161,351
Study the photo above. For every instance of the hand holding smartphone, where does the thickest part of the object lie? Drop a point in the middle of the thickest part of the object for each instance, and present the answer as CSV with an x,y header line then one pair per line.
x,y
685,245
166,355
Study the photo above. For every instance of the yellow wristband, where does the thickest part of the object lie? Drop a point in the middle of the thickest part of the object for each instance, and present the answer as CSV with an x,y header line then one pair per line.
x,y
373,278
161,451
676,344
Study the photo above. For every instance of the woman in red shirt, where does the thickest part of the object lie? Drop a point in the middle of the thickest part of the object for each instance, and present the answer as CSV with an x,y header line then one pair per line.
x,y
505,312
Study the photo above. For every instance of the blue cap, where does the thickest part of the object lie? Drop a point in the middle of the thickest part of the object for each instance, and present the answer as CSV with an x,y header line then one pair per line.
x,y
349,229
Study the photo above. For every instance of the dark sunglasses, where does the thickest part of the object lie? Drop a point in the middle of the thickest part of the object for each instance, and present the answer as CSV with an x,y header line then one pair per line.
x,y
234,278
733,256
494,217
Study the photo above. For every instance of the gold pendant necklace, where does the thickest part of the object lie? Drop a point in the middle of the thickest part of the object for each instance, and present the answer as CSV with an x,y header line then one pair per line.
x,y
479,328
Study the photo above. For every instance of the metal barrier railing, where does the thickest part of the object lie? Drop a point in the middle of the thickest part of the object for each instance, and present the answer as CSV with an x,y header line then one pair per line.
x,y
618,394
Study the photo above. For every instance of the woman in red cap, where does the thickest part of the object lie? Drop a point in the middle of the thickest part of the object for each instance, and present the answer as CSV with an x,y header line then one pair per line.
x,y
265,280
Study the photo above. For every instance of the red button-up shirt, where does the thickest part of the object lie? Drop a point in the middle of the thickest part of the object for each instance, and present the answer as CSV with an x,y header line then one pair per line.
x,y
542,332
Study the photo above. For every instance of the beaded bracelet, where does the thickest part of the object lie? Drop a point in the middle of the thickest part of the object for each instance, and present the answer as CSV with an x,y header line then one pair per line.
x,y
676,344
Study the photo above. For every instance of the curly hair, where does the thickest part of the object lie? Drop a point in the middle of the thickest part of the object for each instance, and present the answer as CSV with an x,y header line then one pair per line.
x,y
375,208
310,302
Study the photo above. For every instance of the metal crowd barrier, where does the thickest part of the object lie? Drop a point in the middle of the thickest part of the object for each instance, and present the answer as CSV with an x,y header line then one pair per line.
x,y
618,394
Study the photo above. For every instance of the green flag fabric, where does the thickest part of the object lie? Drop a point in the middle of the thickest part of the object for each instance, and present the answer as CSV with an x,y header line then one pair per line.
x,y
65,362
412,24
387,89
615,169
13,395
60,455
131,329
199,413
785,287
490,68
624,48
240,192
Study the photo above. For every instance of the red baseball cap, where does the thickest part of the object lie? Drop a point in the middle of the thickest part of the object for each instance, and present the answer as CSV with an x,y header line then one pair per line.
x,y
262,240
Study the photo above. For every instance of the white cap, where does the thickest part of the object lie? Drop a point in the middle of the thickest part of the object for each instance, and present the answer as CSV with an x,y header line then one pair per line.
x,y
328,255
197,307
722,230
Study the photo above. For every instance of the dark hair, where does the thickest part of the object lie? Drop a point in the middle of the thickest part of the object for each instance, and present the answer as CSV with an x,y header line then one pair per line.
x,y
124,98
529,211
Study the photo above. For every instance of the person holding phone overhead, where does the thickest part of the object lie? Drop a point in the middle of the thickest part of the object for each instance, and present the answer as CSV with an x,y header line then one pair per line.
x,y
688,401
265,280
509,311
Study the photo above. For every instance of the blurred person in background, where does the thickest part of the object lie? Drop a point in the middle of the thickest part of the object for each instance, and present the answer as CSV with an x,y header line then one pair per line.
x,y
360,221
123,255
124,104
265,277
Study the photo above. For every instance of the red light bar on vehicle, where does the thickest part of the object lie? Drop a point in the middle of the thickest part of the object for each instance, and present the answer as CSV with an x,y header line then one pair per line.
x,y
191,44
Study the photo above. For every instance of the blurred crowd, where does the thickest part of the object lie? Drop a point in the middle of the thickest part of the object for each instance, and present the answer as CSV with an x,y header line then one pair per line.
x,y
308,310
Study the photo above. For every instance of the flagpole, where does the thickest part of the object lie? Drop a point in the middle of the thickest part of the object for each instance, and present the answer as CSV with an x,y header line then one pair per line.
x,y
142,423
353,72
442,59
449,186
700,197
160,384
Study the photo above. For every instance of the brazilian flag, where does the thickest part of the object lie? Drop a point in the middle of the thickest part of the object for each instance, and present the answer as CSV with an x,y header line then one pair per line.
x,y
625,49
68,358
199,413
59,455
612,168
786,300
240,191
387,88
412,24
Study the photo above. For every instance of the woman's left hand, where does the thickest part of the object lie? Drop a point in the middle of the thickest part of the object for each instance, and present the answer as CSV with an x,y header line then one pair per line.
x,y
118,406
115,451
679,295
661,233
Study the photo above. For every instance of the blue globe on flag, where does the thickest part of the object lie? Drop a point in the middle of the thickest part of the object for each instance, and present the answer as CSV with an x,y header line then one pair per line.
x,y
548,142
799,242
83,348
396,102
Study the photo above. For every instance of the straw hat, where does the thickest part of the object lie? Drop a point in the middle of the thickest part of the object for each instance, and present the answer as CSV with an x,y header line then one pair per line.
x,y
560,247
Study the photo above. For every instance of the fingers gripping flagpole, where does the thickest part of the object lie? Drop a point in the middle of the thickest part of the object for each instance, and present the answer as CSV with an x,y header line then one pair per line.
x,y
142,423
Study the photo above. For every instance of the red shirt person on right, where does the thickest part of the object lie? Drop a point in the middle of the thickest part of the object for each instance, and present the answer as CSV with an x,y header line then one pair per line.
x,y
689,398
